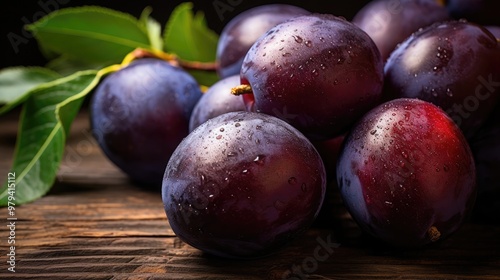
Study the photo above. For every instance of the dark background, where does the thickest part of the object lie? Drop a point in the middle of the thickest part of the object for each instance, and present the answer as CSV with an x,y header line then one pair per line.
x,y
16,13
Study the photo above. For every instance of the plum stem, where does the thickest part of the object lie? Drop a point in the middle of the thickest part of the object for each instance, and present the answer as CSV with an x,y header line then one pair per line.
x,y
241,89
171,58
434,234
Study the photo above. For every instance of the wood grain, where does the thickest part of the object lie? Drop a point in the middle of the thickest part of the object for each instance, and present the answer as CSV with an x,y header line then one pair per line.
x,y
95,224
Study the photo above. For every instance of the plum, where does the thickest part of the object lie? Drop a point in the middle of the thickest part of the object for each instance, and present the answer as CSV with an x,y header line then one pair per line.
x,y
243,30
390,22
242,185
406,173
140,114
216,101
320,73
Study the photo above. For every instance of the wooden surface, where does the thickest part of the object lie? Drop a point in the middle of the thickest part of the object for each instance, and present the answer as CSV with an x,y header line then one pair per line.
x,y
95,224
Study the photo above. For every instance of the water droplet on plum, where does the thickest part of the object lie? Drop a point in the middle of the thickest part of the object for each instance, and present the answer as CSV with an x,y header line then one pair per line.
x,y
297,39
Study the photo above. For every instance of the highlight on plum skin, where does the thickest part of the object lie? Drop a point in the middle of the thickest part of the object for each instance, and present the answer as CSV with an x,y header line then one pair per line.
x,y
242,185
406,174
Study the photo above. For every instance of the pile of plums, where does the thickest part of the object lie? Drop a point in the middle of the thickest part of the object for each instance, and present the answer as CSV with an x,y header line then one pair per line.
x,y
406,94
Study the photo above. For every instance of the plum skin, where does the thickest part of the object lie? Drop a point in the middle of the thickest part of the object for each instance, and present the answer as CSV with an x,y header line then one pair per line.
x,y
243,30
318,72
390,22
216,101
453,65
140,114
242,185
406,171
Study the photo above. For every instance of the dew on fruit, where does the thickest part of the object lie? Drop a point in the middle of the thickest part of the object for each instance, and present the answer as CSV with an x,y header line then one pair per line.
x,y
405,155
292,180
449,92
259,160
313,58
140,146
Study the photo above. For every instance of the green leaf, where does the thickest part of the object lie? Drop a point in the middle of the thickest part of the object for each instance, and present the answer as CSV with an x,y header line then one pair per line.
x,y
44,125
16,84
188,36
153,29
90,33
65,65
